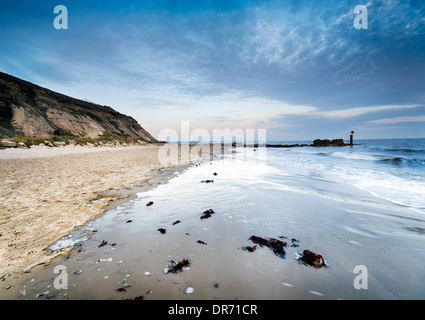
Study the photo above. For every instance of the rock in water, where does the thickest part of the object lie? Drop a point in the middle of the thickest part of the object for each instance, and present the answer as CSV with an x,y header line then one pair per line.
x,y
338,142
322,143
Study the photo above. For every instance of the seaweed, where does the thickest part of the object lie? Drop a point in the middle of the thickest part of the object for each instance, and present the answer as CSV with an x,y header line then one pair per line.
x,y
277,246
312,259
207,214
207,181
249,248
104,243
177,267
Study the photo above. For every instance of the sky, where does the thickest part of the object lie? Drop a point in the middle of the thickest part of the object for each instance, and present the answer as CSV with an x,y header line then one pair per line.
x,y
299,69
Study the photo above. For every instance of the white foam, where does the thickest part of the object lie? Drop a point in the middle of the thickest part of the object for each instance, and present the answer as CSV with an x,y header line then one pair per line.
x,y
353,156
397,186
395,189
66,243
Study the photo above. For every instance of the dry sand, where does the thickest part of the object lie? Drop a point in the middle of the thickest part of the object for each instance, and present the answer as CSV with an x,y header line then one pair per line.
x,y
45,193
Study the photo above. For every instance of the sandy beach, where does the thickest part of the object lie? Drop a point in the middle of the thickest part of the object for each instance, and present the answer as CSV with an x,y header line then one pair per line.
x,y
47,192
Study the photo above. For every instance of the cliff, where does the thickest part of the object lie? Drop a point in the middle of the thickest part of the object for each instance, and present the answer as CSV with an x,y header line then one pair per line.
x,y
29,110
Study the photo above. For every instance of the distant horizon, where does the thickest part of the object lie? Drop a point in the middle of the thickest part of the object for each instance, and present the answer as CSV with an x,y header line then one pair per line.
x,y
300,70
296,141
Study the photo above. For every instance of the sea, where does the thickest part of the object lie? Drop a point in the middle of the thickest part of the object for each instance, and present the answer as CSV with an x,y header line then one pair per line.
x,y
391,169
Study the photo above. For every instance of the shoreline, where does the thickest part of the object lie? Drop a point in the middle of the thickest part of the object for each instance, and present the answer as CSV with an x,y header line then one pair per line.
x,y
116,198
48,196
351,227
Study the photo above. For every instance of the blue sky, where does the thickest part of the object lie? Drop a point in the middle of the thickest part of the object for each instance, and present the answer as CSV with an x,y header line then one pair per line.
x,y
296,68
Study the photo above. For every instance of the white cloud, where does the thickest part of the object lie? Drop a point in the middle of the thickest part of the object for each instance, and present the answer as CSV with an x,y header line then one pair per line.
x,y
399,120
354,112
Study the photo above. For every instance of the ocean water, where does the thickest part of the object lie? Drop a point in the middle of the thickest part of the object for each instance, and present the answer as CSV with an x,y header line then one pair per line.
x,y
357,206
392,169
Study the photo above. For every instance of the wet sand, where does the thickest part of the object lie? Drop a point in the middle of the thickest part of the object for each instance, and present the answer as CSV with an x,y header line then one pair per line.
x,y
48,192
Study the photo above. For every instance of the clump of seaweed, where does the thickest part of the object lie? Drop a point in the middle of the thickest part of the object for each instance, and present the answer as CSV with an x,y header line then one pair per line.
x,y
175,267
207,214
312,259
277,246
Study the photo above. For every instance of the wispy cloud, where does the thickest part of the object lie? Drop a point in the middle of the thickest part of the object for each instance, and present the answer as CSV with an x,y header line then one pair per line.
x,y
355,112
399,120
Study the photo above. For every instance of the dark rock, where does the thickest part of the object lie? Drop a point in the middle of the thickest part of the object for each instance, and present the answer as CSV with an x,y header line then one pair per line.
x,y
201,242
175,222
322,143
162,230
328,143
338,142
149,204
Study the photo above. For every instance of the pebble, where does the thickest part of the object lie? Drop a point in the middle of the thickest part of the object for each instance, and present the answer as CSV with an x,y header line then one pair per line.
x,y
189,290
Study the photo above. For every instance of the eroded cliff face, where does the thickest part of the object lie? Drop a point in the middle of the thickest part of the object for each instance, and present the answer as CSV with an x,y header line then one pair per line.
x,y
29,110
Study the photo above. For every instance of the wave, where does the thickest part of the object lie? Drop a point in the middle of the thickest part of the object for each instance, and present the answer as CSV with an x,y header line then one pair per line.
x,y
353,156
398,161
400,180
403,162
406,150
